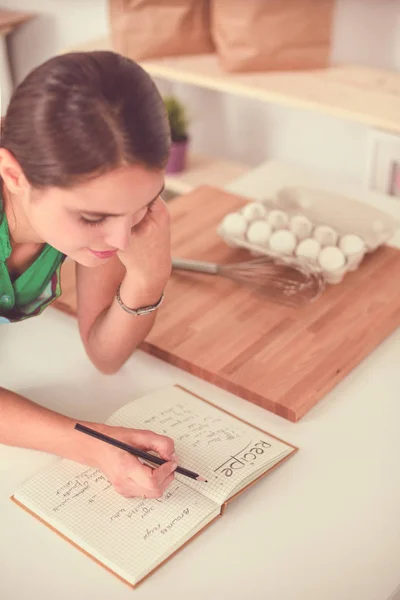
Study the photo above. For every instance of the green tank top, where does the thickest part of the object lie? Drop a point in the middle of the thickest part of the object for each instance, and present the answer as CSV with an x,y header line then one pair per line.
x,y
38,286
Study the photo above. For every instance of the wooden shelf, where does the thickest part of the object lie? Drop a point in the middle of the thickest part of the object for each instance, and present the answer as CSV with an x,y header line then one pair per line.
x,y
9,20
365,95
204,170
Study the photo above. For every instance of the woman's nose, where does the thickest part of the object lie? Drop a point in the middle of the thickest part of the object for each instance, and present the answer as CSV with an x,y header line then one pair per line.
x,y
119,236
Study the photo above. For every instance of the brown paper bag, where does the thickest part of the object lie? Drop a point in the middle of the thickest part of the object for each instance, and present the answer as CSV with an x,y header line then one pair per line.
x,y
143,29
263,35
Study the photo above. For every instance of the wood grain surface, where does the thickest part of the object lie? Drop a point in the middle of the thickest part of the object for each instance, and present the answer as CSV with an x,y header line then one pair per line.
x,y
279,358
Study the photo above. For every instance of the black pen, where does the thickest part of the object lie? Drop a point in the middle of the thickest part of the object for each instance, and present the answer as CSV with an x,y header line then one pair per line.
x,y
135,451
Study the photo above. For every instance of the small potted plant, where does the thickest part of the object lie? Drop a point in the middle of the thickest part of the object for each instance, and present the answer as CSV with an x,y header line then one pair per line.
x,y
178,122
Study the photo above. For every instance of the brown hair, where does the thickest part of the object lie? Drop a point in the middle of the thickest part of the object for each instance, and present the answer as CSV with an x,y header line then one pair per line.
x,y
79,115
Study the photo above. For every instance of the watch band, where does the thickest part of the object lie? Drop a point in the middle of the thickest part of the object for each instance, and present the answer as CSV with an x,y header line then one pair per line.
x,y
143,310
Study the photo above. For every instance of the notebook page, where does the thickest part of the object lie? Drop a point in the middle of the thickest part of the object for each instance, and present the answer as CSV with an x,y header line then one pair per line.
x,y
130,536
208,441
266,467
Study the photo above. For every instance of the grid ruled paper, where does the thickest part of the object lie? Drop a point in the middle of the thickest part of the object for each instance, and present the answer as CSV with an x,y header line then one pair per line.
x,y
224,450
130,536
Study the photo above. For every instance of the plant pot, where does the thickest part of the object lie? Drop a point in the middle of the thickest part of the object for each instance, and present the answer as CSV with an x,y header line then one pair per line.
x,y
177,157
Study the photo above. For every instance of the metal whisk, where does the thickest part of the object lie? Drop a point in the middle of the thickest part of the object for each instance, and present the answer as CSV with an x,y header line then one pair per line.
x,y
281,281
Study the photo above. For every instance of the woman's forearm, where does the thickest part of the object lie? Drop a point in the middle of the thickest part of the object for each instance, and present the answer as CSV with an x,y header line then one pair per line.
x,y
116,333
28,425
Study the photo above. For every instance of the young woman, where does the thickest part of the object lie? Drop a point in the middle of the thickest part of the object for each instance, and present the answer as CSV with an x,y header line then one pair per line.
x,y
83,147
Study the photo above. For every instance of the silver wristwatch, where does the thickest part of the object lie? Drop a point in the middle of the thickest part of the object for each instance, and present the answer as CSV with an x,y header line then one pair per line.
x,y
143,310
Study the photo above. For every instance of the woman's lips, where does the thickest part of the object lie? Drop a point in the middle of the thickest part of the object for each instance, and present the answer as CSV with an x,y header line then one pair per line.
x,y
103,254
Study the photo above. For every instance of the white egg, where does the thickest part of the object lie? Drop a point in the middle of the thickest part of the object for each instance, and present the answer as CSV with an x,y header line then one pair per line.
x,y
350,244
253,211
277,219
325,235
309,249
259,233
331,258
234,225
282,242
301,226
354,248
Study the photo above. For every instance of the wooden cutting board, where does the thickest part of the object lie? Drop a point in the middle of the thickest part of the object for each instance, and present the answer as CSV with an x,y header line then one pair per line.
x,y
280,358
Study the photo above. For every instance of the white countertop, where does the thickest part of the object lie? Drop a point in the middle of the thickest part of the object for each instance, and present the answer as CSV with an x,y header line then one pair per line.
x,y
325,525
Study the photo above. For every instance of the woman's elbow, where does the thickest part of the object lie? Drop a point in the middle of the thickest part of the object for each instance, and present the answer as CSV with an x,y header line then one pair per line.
x,y
105,364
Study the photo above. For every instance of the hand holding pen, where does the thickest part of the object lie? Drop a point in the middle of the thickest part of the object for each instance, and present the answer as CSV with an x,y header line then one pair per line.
x,y
125,470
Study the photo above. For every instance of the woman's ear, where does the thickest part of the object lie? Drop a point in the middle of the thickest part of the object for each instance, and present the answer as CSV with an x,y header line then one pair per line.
x,y
12,174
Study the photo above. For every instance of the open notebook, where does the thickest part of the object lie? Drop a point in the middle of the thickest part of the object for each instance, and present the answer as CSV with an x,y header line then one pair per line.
x,y
132,537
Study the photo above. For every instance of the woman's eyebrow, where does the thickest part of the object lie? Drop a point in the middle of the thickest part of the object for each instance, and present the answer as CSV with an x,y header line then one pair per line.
x,y
94,213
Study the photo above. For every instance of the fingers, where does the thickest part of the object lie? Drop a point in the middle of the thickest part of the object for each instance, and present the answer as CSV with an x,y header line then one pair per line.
x,y
157,217
166,483
135,479
163,445
163,472
155,484
159,204
160,209
130,477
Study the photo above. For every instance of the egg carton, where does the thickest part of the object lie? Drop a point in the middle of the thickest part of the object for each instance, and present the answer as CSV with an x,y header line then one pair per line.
x,y
310,228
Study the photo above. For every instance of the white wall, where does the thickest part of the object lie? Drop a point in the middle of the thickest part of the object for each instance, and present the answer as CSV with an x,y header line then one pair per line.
x,y
250,131
396,42
57,24
366,32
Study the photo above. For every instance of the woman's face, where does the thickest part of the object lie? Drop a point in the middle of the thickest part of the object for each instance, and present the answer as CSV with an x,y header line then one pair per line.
x,y
93,220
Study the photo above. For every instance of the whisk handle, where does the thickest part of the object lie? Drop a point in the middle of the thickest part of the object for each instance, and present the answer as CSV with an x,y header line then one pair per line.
x,y
194,265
